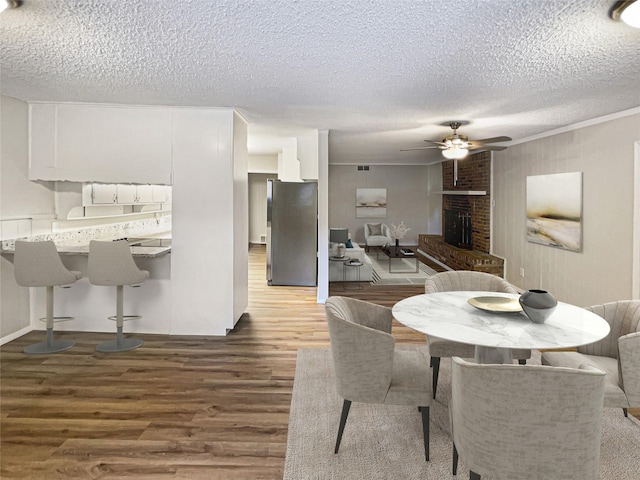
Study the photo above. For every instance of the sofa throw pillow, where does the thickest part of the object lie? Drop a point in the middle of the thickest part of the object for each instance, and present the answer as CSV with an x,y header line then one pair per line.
x,y
349,244
375,228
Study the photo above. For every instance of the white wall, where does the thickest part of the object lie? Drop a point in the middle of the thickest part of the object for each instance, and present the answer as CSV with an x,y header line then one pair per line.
x,y
288,164
18,195
308,156
258,205
434,203
240,220
323,216
205,277
100,142
406,197
18,198
602,272
263,164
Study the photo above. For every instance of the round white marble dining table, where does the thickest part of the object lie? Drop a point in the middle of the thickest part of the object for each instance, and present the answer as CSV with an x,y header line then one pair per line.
x,y
449,315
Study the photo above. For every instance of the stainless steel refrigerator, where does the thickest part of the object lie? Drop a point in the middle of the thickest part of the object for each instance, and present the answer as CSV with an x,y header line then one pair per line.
x,y
292,233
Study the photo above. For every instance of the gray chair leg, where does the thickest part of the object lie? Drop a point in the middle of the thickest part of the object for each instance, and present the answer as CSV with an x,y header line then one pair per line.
x,y
522,361
346,405
435,362
473,475
454,469
425,430
50,345
626,412
120,344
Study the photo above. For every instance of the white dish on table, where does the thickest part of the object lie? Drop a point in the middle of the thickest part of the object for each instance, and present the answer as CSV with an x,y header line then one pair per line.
x,y
496,304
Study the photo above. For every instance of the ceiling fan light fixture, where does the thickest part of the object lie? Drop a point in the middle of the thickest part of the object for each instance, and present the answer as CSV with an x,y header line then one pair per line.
x,y
627,11
455,153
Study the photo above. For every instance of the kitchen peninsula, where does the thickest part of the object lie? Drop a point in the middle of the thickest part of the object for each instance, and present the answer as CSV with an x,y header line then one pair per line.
x,y
90,305
200,152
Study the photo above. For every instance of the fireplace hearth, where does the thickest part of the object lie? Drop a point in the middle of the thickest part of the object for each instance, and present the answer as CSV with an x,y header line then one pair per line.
x,y
457,229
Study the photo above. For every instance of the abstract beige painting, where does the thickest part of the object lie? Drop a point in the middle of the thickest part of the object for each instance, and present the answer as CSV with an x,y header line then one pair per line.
x,y
554,210
371,202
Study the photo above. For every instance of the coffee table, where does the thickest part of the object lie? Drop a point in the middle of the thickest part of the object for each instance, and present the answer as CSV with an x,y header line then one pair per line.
x,y
394,253
449,315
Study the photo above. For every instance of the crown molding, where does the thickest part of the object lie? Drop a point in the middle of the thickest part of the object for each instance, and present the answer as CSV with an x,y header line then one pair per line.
x,y
579,125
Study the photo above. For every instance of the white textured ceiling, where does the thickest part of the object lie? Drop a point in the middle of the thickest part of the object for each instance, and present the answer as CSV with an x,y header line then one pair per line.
x,y
380,75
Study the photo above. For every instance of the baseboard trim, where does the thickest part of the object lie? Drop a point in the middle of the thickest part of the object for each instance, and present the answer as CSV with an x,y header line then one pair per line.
x,y
14,335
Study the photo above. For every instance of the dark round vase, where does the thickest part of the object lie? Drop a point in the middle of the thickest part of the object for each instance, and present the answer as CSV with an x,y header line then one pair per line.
x,y
538,305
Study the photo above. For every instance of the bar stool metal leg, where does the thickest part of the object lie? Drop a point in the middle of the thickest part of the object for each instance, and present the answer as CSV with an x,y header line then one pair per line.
x,y
120,344
50,345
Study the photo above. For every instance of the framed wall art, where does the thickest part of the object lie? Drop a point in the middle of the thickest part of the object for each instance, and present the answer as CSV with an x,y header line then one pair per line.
x,y
371,202
554,210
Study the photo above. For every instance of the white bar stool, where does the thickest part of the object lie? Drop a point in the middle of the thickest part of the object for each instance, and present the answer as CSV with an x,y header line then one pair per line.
x,y
38,264
112,264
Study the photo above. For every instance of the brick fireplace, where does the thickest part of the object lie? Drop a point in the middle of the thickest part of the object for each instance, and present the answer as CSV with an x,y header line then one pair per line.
x,y
474,174
472,214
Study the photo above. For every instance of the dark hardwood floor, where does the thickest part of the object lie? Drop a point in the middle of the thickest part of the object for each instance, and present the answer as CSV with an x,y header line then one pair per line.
x,y
178,407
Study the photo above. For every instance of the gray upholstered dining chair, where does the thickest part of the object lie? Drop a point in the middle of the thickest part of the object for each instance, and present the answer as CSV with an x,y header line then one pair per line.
x,y
463,280
618,354
112,264
528,422
38,264
367,365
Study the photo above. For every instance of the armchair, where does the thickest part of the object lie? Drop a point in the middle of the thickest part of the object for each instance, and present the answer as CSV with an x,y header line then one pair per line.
x,y
367,366
618,354
376,235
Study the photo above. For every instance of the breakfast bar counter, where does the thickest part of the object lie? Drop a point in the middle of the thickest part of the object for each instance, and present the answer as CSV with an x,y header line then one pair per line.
x,y
136,251
90,305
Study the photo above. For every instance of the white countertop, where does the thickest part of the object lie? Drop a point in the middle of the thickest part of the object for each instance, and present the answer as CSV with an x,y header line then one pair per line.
x,y
144,245
137,251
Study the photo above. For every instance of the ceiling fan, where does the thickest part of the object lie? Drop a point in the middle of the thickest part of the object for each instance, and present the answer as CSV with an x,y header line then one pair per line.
x,y
457,147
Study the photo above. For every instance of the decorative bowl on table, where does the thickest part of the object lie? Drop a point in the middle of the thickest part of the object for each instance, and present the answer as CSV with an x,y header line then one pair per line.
x,y
496,304
538,305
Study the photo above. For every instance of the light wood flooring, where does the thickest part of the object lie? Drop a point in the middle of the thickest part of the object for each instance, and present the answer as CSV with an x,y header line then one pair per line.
x,y
178,407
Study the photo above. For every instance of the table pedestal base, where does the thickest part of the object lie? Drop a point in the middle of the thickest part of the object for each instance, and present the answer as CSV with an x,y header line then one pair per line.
x,y
493,355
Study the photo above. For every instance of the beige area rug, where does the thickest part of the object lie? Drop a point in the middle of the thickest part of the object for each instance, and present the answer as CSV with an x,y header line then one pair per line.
x,y
380,274
385,442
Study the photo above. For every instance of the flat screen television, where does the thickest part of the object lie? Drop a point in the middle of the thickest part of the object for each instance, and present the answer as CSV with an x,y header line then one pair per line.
x,y
338,235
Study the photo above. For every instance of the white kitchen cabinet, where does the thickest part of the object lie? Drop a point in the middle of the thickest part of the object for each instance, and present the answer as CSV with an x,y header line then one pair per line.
x,y
103,194
144,194
134,194
124,194
161,193
104,143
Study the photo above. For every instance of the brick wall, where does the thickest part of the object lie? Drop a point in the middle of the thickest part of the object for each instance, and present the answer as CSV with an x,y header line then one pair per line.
x,y
473,174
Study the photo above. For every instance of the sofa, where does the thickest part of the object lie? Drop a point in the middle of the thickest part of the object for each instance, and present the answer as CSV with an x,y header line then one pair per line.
x,y
355,252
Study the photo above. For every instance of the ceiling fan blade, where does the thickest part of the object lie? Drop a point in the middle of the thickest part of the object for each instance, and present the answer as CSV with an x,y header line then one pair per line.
x,y
492,140
436,143
495,148
418,148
